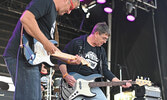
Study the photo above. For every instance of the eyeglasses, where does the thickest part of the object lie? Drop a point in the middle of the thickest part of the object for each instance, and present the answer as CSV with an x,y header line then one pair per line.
x,y
104,38
72,5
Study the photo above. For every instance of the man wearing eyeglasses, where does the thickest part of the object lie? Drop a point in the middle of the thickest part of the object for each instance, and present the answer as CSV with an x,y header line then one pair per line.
x,y
38,21
77,76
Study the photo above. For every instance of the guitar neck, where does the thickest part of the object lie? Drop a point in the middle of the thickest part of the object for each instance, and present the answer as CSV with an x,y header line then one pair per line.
x,y
103,84
61,55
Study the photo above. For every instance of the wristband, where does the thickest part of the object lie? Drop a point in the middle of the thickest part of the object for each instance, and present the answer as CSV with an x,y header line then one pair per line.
x,y
68,61
65,75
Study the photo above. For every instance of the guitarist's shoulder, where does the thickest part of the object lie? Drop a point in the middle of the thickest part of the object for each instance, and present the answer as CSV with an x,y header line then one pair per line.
x,y
82,37
78,40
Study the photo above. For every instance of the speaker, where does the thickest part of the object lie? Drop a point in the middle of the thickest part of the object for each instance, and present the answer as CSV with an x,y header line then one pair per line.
x,y
148,91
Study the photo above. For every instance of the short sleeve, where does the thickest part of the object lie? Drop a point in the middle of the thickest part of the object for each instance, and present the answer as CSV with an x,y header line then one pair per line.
x,y
40,7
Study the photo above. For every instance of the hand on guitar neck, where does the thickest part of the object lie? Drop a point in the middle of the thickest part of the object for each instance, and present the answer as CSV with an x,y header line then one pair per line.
x,y
62,56
127,82
70,59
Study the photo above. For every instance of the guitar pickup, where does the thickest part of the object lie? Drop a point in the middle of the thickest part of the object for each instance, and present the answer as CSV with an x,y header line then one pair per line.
x,y
80,85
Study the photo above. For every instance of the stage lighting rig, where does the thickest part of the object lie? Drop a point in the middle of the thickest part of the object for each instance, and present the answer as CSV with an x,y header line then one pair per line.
x,y
132,5
108,8
146,5
86,7
131,11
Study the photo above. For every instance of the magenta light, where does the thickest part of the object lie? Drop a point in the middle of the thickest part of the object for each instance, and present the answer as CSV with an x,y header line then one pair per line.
x,y
81,0
101,1
108,10
130,18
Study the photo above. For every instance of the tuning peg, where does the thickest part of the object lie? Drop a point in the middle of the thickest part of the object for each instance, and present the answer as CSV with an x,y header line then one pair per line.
x,y
145,78
137,77
148,79
141,77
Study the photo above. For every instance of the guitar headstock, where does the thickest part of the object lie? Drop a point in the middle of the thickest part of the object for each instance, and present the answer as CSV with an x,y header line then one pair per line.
x,y
140,81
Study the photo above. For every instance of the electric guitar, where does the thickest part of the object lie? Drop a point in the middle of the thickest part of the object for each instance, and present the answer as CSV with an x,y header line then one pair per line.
x,y
84,83
39,55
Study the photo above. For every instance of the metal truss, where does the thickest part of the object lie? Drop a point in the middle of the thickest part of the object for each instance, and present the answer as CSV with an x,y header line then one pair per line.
x,y
145,5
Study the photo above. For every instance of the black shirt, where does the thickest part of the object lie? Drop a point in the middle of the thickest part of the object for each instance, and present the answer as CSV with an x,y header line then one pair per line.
x,y
92,54
45,13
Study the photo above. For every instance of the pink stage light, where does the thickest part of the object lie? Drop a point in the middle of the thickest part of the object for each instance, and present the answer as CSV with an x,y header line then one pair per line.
x,y
130,18
108,10
101,1
81,0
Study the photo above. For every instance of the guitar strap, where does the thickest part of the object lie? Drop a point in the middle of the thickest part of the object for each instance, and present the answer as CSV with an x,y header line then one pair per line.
x,y
30,39
21,37
81,46
100,58
56,35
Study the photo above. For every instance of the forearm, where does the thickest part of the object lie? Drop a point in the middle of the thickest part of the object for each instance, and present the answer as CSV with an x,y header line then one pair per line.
x,y
63,69
31,27
108,74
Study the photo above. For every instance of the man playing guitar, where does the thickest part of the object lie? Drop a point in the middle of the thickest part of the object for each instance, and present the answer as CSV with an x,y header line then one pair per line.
x,y
90,48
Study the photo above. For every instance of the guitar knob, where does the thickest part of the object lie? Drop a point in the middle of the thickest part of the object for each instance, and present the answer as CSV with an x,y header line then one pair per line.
x,y
141,77
32,57
148,79
137,77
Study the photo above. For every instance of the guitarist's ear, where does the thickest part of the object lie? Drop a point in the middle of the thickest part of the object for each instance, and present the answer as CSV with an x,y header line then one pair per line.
x,y
96,34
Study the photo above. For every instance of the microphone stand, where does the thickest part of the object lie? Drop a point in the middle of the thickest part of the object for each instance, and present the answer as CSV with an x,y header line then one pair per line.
x,y
120,75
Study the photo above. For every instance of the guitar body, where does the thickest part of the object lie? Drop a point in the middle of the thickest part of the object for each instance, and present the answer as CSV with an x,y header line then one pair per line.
x,y
84,83
39,55
81,87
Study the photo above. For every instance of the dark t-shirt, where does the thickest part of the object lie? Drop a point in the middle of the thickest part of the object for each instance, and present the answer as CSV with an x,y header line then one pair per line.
x,y
92,54
45,13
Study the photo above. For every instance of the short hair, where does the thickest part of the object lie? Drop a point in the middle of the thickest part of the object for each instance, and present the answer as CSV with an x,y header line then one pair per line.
x,y
102,28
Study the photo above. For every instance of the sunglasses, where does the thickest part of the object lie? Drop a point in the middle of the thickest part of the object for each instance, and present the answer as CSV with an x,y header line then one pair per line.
x,y
72,5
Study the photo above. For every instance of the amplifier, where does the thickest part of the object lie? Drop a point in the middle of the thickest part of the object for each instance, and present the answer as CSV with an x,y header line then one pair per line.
x,y
148,91
152,91
147,98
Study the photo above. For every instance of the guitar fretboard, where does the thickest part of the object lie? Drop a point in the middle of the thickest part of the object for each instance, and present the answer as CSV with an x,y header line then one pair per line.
x,y
60,55
103,84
